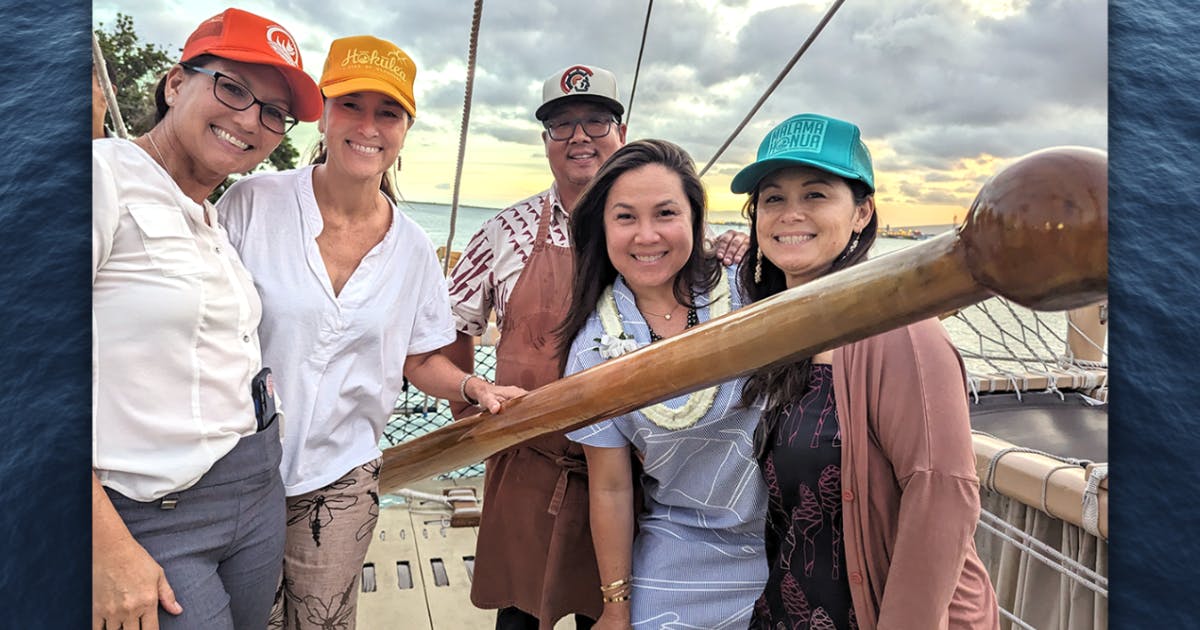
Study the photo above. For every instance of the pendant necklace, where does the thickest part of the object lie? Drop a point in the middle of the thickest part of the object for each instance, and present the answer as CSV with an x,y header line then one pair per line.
x,y
666,317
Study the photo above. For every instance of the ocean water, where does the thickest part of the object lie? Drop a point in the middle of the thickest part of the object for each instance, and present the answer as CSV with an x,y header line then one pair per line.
x,y
45,388
1154,265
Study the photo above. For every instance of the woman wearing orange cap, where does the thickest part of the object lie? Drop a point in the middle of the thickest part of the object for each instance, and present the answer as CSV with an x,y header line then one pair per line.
x,y
353,301
187,500
865,449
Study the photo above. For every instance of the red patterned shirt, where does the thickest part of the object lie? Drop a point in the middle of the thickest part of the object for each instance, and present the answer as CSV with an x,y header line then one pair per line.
x,y
492,261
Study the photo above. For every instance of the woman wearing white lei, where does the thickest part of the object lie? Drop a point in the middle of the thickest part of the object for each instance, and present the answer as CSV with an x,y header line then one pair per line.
x,y
641,274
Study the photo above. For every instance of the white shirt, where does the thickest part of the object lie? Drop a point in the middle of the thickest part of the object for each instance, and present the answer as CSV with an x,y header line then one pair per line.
x,y
174,341
338,360
492,262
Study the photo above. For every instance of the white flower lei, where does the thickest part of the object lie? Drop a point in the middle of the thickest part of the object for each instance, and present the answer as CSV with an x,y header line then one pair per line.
x,y
698,403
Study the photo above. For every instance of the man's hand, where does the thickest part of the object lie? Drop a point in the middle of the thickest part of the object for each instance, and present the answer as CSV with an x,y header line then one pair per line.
x,y
730,247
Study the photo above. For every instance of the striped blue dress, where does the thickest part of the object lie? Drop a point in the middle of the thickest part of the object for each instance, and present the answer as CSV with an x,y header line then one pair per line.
x,y
698,558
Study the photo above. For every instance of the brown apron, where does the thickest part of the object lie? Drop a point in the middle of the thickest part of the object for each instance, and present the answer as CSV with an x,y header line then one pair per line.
x,y
535,546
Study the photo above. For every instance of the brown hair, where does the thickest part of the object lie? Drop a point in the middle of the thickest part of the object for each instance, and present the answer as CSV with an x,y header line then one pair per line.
x,y
593,269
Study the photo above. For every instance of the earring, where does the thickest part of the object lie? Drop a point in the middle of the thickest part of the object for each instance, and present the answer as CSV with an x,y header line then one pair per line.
x,y
399,160
758,269
853,244
170,101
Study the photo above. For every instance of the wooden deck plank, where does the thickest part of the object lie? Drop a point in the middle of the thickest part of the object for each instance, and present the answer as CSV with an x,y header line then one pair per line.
x,y
404,536
390,606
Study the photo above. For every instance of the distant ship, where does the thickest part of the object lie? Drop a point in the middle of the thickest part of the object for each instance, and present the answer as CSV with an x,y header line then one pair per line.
x,y
911,234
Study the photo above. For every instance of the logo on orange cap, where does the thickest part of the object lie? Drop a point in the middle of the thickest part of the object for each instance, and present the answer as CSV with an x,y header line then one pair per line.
x,y
281,42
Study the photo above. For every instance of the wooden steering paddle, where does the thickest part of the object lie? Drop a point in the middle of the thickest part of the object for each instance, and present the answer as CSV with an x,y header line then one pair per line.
x,y
1036,234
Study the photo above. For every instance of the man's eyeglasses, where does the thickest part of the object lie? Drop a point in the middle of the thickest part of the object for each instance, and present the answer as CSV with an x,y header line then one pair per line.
x,y
593,126
238,97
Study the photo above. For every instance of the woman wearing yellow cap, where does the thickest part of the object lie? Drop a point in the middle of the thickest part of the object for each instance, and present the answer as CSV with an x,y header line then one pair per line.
x,y
353,301
187,501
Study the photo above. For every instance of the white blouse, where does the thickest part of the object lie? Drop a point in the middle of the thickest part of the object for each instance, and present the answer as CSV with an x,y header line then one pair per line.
x,y
338,359
174,340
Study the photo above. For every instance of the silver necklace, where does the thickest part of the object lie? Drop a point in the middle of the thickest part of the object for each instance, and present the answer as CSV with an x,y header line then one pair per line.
x,y
162,160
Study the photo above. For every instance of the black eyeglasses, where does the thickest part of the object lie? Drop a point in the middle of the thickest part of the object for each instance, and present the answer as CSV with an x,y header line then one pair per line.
x,y
594,126
236,96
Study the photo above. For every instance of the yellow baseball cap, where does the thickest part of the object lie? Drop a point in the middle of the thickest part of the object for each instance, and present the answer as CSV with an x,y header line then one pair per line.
x,y
368,64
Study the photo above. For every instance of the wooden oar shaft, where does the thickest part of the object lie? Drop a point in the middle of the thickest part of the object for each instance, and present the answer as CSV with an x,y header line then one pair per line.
x,y
903,287
891,291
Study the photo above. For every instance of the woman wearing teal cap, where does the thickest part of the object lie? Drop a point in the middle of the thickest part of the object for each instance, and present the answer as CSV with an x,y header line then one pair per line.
x,y
865,449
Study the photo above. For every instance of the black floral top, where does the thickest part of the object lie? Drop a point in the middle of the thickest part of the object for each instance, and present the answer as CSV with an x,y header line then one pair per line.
x,y
807,587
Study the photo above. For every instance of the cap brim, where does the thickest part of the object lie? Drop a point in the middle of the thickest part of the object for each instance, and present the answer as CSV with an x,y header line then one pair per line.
x,y
368,84
543,112
306,96
748,178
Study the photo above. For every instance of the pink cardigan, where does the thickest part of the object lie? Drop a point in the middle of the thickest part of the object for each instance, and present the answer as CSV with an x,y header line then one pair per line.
x,y
909,489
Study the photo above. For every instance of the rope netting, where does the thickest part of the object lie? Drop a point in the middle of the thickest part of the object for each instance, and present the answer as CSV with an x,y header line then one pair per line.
x,y
417,413
1007,347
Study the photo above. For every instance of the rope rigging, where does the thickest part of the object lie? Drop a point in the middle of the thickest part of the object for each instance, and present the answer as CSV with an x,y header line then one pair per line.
x,y
462,138
774,84
638,69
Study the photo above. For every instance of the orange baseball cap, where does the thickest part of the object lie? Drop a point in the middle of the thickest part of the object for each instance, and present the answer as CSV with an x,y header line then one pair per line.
x,y
243,36
368,64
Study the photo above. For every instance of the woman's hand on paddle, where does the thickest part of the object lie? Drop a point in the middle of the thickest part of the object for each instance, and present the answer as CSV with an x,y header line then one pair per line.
x,y
730,247
491,395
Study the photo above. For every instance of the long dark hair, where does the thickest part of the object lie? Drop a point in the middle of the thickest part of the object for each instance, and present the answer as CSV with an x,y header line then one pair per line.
x,y
593,269
782,384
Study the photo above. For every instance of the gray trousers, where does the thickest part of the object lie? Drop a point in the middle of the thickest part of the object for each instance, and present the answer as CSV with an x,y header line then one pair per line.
x,y
221,545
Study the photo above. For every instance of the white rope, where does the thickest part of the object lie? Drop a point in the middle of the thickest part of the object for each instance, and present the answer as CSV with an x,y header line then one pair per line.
x,y
473,46
1013,618
417,495
1091,499
989,480
1046,484
110,95
1031,540
1103,592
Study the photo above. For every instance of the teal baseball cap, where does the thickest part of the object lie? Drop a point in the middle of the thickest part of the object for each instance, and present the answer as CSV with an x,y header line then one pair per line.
x,y
812,140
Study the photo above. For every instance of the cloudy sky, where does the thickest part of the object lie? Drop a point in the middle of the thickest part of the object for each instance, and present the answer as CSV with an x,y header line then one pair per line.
x,y
945,91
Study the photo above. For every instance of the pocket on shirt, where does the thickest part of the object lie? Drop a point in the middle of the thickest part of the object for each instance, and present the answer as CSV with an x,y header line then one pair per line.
x,y
168,240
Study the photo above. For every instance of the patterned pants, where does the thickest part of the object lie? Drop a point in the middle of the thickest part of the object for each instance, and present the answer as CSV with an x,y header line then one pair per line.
x,y
328,531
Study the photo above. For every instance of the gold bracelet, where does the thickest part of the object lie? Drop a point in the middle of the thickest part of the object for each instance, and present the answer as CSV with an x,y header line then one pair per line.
x,y
619,598
615,585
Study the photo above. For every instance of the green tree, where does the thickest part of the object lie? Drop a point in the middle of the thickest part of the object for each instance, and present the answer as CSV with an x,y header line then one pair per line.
x,y
137,67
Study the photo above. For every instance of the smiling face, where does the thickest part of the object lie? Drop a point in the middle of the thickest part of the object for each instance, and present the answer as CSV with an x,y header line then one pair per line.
x,y
217,139
575,161
648,228
364,132
804,219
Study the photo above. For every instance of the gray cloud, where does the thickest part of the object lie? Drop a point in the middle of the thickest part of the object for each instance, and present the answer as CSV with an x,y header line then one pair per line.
x,y
934,81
